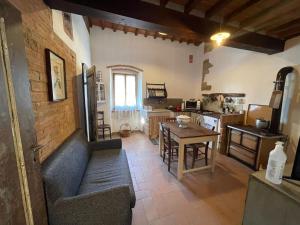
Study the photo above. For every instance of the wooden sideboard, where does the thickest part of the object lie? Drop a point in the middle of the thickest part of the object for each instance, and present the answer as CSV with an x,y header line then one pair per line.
x,y
250,145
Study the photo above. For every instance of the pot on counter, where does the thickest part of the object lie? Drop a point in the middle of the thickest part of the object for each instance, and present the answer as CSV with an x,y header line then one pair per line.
x,y
262,124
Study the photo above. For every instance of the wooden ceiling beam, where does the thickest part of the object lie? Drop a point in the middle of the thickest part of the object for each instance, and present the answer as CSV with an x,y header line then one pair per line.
x,y
148,16
197,43
102,25
216,8
296,34
273,23
189,6
269,13
163,3
113,27
289,32
240,10
285,26
125,29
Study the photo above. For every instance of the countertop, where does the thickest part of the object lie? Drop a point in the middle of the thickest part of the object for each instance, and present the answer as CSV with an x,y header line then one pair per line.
x,y
200,112
207,113
289,188
263,133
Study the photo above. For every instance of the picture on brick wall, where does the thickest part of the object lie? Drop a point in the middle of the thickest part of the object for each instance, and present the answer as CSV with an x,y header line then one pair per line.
x,y
55,66
67,22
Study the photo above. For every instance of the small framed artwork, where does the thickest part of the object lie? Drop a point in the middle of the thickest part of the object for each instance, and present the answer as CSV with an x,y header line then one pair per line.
x,y
67,22
56,72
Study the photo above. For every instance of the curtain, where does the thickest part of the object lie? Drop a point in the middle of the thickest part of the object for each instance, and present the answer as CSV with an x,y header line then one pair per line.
x,y
132,117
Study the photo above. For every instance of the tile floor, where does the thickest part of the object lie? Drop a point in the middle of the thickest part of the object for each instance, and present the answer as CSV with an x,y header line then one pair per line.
x,y
199,199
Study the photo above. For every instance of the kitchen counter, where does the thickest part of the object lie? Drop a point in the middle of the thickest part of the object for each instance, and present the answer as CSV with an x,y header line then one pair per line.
x,y
205,113
250,145
263,133
271,204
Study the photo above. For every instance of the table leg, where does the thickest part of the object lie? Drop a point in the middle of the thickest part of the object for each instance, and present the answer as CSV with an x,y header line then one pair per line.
x,y
180,161
213,155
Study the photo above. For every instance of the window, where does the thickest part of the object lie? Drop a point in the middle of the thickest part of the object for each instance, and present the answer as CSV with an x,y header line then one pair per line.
x,y
125,91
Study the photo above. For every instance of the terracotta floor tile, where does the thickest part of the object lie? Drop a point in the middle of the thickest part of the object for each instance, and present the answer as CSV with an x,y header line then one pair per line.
x,y
142,194
201,198
150,209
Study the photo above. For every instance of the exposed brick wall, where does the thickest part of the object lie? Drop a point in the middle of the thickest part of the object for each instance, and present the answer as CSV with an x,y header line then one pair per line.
x,y
54,121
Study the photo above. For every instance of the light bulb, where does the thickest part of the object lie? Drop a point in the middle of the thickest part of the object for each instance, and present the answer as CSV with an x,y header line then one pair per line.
x,y
220,37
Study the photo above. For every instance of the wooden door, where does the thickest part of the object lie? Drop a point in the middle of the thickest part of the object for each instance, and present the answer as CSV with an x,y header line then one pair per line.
x,y
21,190
90,101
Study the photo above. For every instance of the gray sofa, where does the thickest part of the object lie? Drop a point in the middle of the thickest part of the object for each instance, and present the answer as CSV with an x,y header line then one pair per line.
x,y
88,183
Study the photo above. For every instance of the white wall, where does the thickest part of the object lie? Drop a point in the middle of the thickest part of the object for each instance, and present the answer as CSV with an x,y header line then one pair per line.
x,y
163,61
253,73
81,37
234,70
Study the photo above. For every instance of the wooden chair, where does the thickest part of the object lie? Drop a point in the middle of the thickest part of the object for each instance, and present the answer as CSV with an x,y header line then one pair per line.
x,y
101,126
171,119
170,146
196,150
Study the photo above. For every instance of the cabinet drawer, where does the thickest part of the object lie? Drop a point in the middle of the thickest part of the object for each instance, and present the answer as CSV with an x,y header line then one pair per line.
x,y
236,136
242,154
250,141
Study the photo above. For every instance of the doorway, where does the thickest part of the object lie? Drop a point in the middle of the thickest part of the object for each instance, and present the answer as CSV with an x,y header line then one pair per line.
x,y
21,192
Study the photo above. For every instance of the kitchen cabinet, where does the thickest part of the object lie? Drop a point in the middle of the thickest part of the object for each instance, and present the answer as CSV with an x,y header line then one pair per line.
x,y
271,204
175,114
250,145
227,119
152,119
154,125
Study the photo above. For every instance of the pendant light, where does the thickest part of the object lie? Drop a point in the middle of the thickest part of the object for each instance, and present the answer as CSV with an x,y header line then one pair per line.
x,y
220,36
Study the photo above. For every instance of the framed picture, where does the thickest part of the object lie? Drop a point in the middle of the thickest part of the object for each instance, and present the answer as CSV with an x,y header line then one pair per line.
x,y
67,22
56,72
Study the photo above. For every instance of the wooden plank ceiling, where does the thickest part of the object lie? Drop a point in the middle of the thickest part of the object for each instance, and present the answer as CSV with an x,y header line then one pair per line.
x,y
257,25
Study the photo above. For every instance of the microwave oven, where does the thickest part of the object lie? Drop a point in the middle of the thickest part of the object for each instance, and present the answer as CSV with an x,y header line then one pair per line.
x,y
192,104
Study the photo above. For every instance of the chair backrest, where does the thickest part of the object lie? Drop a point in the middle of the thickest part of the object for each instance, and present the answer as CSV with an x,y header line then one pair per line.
x,y
100,117
166,137
199,120
171,119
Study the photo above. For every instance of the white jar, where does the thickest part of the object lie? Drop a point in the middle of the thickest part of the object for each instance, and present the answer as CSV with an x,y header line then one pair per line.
x,y
276,163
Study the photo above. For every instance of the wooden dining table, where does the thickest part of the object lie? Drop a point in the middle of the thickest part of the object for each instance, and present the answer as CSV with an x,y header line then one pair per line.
x,y
192,134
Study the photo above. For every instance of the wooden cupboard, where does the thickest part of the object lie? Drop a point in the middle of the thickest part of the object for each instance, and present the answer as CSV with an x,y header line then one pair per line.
x,y
250,145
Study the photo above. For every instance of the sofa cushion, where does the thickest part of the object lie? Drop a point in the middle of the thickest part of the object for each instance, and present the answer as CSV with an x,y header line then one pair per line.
x,y
106,169
63,170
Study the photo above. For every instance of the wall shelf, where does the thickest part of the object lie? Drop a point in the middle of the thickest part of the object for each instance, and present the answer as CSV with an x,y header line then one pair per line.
x,y
156,91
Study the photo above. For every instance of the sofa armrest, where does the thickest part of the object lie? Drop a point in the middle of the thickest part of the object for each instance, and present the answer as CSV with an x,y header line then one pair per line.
x,y
110,206
106,144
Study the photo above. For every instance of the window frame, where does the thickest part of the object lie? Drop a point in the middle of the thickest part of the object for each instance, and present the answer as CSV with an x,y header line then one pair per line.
x,y
125,73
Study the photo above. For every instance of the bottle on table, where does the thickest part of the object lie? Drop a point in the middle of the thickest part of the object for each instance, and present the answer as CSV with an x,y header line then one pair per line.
x,y
276,163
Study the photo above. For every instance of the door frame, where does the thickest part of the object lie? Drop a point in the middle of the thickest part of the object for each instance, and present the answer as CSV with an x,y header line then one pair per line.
x,y
20,116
